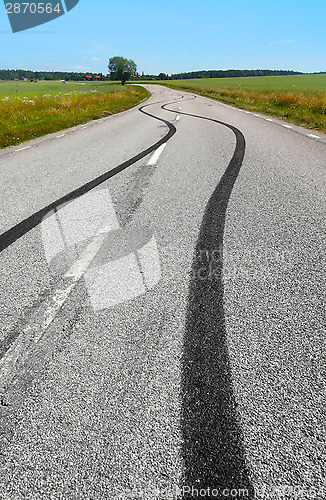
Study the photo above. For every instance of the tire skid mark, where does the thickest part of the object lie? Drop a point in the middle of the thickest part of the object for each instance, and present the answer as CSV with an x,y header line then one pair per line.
x,y
213,450
18,346
23,227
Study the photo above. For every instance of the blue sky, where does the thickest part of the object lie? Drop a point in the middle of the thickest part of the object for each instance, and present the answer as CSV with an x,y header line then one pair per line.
x,y
173,36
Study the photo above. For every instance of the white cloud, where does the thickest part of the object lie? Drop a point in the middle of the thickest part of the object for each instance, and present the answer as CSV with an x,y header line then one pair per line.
x,y
51,66
79,68
96,59
281,42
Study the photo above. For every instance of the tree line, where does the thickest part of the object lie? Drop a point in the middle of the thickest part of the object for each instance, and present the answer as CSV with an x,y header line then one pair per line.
x,y
116,74
230,73
20,74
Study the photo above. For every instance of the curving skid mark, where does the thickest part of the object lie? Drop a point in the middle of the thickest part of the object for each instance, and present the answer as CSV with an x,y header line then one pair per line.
x,y
9,237
213,451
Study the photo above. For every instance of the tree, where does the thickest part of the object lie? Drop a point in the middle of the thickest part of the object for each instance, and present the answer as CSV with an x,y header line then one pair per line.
x,y
162,76
121,69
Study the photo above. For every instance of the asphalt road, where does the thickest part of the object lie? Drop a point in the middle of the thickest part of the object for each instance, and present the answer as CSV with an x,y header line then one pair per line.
x,y
162,328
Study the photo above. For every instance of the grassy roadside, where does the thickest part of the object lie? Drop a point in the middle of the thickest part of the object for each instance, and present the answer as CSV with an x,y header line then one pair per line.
x,y
305,106
27,117
10,88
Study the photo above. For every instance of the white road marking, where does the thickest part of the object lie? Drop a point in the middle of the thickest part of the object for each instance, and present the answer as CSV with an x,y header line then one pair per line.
x,y
21,149
178,117
156,155
85,126
179,107
58,136
312,136
45,315
75,273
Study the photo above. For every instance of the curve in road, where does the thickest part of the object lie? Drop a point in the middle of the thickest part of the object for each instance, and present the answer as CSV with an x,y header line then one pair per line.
x,y
23,227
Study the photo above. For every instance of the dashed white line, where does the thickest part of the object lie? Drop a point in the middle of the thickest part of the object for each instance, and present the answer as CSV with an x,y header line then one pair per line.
x,y
178,117
45,315
85,126
156,155
72,277
312,136
21,149
58,136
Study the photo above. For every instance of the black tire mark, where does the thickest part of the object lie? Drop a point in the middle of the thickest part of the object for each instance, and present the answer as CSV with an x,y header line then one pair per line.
x,y
213,450
23,227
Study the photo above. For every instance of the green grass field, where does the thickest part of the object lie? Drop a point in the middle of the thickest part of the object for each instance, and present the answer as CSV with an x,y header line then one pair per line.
x,y
13,88
32,109
299,99
288,83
